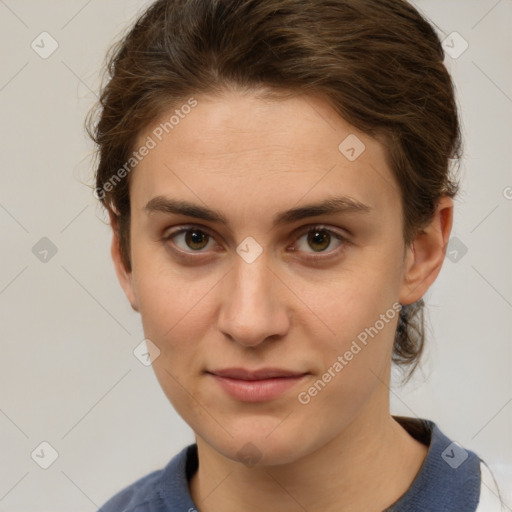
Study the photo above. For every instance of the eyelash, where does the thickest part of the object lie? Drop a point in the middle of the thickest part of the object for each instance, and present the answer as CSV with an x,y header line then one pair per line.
x,y
298,234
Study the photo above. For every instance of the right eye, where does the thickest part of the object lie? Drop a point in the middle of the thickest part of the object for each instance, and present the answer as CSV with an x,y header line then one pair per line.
x,y
189,239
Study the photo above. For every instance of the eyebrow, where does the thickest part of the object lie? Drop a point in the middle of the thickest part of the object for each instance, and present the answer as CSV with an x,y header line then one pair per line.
x,y
343,204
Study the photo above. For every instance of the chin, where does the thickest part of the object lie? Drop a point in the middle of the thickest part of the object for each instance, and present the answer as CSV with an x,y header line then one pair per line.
x,y
258,447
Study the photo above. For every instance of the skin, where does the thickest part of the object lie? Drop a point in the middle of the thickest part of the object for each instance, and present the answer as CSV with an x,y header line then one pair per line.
x,y
249,158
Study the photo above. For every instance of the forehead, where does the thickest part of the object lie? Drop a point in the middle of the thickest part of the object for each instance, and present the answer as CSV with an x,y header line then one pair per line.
x,y
242,154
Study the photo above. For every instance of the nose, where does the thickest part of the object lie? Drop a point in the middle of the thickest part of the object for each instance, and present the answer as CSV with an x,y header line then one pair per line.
x,y
254,307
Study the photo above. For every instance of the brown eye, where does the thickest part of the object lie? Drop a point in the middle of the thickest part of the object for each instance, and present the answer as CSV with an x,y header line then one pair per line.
x,y
189,239
319,240
196,239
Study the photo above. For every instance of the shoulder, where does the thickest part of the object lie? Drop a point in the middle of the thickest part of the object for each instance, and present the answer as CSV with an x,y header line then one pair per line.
x,y
137,496
159,490
451,477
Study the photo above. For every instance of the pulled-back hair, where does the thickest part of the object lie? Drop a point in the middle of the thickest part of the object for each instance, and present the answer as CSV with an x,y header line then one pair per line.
x,y
378,63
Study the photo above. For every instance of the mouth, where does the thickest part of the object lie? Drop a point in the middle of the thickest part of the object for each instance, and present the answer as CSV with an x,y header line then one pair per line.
x,y
256,385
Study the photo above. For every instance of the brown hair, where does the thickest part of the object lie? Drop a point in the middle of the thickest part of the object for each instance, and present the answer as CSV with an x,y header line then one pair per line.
x,y
378,63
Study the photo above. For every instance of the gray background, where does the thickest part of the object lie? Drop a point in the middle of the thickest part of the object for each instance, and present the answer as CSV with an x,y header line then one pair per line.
x,y
68,375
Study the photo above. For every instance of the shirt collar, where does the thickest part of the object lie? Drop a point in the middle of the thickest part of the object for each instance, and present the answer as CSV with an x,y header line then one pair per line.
x,y
449,478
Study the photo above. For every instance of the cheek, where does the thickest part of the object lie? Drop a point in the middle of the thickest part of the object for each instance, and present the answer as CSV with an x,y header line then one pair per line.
x,y
166,294
168,306
359,310
173,311
354,367
353,299
175,315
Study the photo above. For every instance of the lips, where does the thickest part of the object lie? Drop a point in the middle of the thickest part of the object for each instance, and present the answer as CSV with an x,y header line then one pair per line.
x,y
261,374
256,385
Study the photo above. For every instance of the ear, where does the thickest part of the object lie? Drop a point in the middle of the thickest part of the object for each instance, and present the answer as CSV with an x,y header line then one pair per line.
x,y
425,255
124,275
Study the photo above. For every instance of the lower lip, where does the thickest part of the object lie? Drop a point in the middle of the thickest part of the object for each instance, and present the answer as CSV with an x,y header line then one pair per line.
x,y
257,390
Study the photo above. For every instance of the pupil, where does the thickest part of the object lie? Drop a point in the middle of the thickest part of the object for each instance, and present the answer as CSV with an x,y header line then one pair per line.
x,y
195,238
319,237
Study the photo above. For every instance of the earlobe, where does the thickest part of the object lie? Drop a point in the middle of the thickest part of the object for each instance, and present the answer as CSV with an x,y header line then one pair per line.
x,y
124,275
425,256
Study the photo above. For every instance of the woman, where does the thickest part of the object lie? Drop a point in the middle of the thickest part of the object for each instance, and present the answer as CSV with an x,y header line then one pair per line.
x,y
277,178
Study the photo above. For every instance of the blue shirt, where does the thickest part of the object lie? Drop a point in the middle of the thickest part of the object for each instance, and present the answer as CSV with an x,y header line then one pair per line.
x,y
450,479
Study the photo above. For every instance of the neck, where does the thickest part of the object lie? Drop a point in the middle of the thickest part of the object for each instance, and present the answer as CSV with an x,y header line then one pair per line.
x,y
366,467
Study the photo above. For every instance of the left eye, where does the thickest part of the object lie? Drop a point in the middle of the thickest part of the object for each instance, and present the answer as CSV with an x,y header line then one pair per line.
x,y
319,239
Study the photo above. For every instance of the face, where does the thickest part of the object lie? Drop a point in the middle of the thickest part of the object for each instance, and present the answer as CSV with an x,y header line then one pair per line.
x,y
254,277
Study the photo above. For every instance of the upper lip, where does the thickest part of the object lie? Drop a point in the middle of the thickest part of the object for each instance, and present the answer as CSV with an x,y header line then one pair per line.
x,y
262,373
